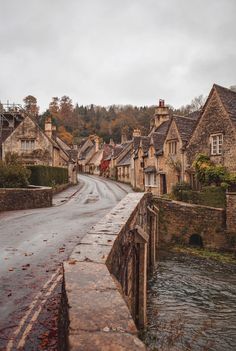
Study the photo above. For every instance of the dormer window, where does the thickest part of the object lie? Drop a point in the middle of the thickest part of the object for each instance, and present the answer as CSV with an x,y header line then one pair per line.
x,y
172,147
216,144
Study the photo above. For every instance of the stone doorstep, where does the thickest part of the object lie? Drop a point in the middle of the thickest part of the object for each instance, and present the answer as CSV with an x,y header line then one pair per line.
x,y
91,253
105,341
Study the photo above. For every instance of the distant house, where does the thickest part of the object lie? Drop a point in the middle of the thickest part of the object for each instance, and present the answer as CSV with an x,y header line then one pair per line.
x,y
94,163
87,149
106,159
215,133
38,147
120,165
124,166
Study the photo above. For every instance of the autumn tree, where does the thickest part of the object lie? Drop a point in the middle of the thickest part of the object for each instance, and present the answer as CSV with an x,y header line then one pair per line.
x,y
54,107
30,105
65,135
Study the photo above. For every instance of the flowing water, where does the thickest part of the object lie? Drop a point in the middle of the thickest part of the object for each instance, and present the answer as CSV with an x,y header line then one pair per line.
x,y
191,305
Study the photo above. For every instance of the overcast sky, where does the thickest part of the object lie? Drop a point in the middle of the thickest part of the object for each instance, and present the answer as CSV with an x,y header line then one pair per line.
x,y
116,51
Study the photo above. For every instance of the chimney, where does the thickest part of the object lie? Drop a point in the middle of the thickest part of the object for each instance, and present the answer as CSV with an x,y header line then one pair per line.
x,y
123,137
161,113
48,127
136,133
96,140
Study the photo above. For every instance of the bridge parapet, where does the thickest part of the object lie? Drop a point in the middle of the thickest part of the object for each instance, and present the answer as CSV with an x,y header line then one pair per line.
x,y
106,276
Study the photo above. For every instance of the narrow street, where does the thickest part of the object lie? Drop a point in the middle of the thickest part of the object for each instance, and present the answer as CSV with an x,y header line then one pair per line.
x,y
34,243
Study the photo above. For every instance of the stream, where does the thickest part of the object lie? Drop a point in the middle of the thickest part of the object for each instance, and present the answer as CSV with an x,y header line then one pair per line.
x,y
191,305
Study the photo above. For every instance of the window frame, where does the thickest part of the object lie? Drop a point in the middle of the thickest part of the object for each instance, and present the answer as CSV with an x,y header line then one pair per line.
x,y
27,144
216,143
172,147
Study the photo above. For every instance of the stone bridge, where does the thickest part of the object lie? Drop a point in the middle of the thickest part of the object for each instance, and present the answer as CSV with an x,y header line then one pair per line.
x,y
105,280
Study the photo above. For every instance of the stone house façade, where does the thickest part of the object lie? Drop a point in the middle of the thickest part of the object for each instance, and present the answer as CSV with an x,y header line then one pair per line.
x,y
38,147
215,132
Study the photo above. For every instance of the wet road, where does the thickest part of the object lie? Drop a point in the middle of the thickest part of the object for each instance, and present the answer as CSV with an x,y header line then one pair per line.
x,y
34,243
191,305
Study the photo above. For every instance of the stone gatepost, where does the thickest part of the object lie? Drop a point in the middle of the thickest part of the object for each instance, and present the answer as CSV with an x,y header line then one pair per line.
x,y
231,211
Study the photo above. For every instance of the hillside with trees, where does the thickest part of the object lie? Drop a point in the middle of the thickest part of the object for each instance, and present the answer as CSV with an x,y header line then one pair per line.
x,y
75,122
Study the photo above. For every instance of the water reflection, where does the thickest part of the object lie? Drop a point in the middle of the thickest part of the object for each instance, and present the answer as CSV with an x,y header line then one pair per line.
x,y
191,305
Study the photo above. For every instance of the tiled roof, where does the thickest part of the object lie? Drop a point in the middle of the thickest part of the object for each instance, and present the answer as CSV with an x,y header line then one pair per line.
x,y
119,148
85,152
145,142
185,126
162,129
158,142
228,98
96,158
107,151
126,160
136,142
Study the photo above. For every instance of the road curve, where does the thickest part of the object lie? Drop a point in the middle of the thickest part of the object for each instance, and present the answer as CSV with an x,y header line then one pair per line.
x,y
34,243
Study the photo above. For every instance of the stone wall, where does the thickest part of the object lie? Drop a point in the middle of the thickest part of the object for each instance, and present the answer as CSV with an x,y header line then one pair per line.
x,y
231,211
25,198
105,279
178,221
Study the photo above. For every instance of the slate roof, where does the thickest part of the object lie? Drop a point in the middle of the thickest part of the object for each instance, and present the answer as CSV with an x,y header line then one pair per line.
x,y
107,151
145,142
163,128
136,142
96,158
158,142
119,148
186,125
126,160
85,152
228,98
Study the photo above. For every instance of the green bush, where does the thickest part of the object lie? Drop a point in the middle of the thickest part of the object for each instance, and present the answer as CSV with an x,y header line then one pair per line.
x,y
48,176
213,196
13,175
179,188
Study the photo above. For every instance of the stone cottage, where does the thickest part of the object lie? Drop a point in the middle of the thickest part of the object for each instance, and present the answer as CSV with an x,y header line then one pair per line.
x,y
38,147
215,133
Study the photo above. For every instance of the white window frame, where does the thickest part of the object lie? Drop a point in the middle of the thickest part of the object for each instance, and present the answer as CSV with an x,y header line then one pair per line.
x,y
150,179
216,141
172,147
27,144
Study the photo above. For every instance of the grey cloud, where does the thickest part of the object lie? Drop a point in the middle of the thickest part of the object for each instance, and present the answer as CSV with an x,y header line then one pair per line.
x,y
109,51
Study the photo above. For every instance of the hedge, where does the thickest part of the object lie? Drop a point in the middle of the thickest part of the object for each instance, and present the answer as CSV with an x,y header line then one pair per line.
x,y
48,176
213,196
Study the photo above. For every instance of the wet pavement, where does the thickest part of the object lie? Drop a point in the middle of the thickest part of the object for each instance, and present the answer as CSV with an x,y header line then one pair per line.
x,y
34,243
191,305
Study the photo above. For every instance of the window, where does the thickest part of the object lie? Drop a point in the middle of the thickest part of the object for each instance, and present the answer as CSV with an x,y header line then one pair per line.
x,y
172,147
27,145
150,179
216,144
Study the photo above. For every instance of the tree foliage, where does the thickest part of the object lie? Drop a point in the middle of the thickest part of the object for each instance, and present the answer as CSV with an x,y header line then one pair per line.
x,y
209,173
30,105
12,173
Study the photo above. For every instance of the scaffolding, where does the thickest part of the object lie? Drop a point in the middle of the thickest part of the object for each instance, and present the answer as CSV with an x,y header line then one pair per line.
x,y
10,116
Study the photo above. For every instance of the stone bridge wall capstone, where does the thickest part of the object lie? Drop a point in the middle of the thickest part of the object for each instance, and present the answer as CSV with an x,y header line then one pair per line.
x,y
105,279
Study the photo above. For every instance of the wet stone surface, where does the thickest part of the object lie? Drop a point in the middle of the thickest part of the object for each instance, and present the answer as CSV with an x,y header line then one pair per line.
x,y
191,305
